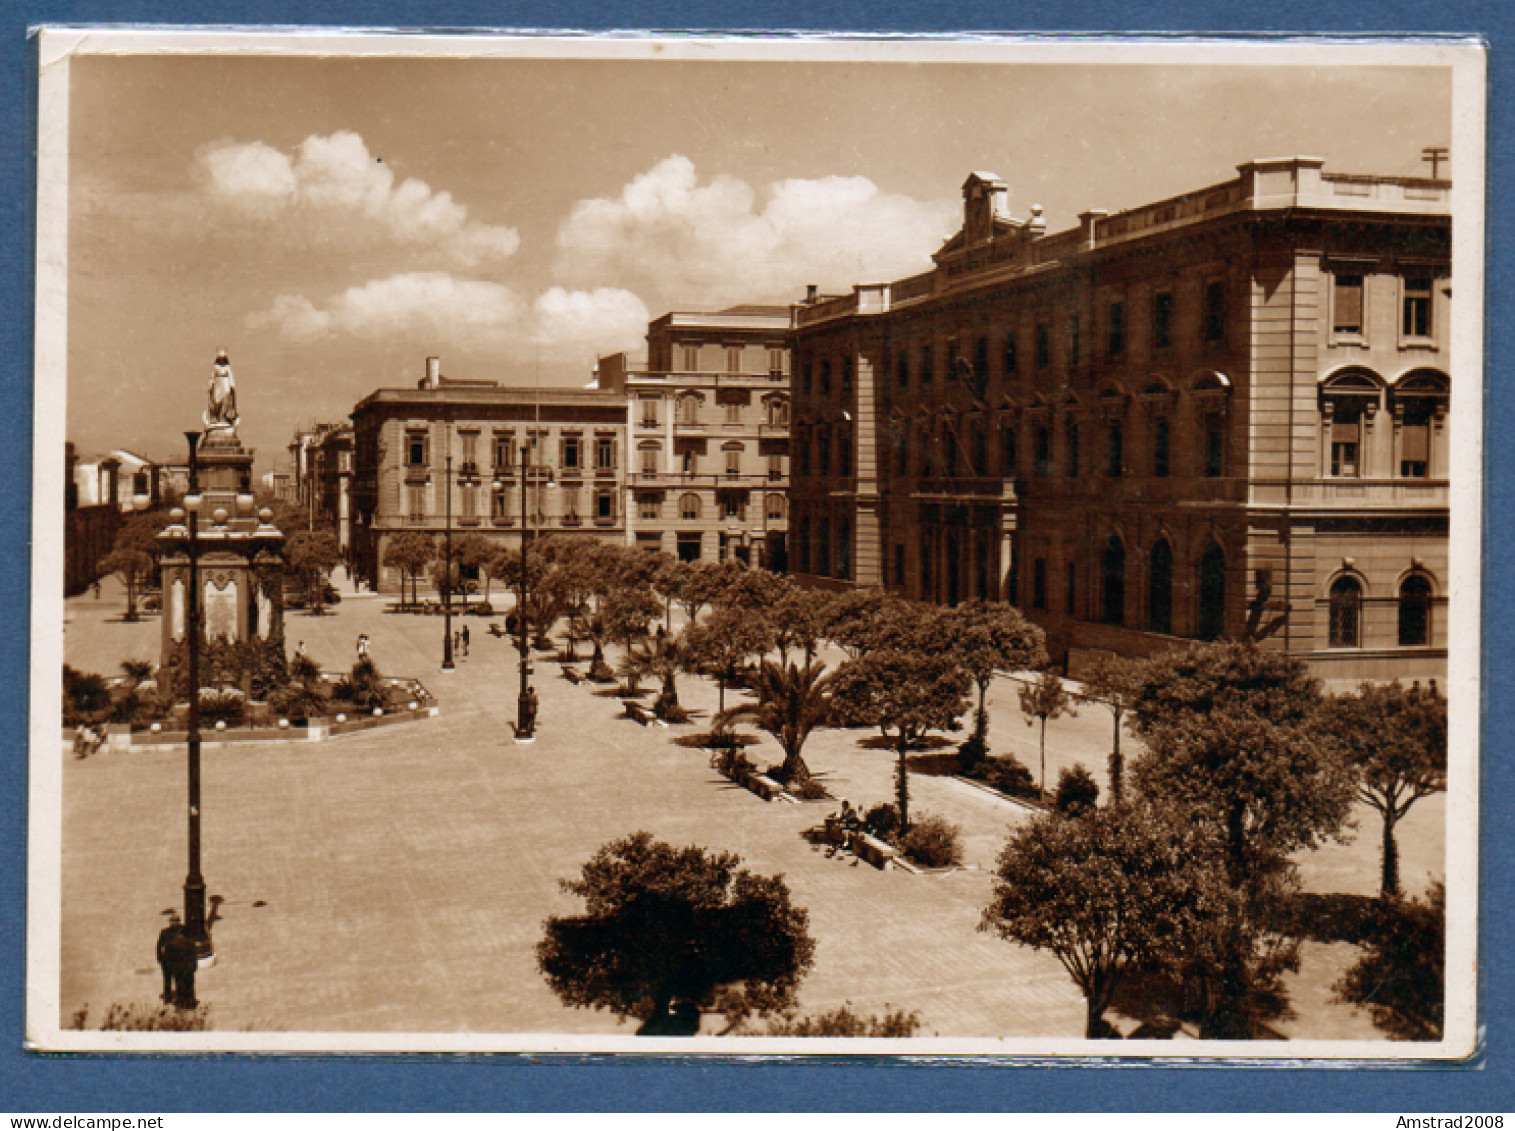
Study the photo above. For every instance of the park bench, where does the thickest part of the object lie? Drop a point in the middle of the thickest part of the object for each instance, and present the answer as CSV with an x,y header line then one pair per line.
x,y
765,787
635,710
572,675
873,850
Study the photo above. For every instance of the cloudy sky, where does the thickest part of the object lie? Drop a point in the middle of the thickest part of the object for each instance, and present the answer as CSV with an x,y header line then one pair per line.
x,y
331,222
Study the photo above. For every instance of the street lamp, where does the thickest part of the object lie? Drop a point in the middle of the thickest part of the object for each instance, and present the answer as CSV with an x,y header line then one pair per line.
x,y
194,882
525,710
447,664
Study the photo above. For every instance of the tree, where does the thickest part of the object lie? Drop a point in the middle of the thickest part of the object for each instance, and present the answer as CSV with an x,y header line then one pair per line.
x,y
1401,975
472,551
1045,699
312,555
905,695
628,613
1104,890
663,659
1077,791
1112,681
990,637
699,583
1232,733
864,620
410,552
799,618
1397,741
791,703
135,568
742,587
723,643
676,928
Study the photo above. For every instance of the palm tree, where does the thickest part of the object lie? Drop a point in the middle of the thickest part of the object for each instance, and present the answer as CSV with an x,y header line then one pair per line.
x,y
791,702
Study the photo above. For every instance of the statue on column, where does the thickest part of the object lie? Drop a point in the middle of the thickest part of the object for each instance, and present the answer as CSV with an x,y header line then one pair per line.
x,y
221,409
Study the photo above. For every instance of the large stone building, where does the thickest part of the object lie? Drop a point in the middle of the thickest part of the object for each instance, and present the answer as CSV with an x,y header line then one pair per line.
x,y
405,441
320,478
1213,415
708,420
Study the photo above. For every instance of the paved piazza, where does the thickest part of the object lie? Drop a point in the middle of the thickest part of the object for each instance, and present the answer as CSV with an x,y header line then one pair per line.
x,y
398,879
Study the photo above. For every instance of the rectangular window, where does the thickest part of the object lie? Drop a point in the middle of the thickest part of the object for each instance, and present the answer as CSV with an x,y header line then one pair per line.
x,y
1417,322
571,453
733,412
504,452
604,503
846,375
1043,452
823,453
981,359
1012,360
1162,320
735,506
1116,341
1071,591
649,506
570,504
416,446
416,503
775,362
1075,339
899,564
1043,345
1214,325
1039,583
1346,432
825,377
775,507
926,362
1346,305
650,461
902,370
1073,438
733,359
691,358
1415,443
1007,451
470,449
650,411
691,461
501,502
1115,451
1215,447
844,452
979,449
604,453
775,467
733,462
1161,446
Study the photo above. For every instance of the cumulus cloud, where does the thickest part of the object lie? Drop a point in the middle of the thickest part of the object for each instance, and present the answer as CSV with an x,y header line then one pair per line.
x,y
332,189
445,312
669,234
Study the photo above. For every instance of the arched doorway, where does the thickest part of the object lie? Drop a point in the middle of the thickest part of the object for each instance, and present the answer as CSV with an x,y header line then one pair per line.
x,y
1160,588
1114,607
1212,593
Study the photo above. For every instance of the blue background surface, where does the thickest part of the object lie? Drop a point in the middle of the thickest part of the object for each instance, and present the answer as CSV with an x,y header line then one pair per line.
x,y
79,1084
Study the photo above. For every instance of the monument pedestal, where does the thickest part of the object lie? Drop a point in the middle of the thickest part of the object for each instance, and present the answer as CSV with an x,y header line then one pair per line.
x,y
241,570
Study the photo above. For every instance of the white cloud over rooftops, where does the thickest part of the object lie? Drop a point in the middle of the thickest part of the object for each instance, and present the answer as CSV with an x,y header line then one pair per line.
x,y
668,234
332,189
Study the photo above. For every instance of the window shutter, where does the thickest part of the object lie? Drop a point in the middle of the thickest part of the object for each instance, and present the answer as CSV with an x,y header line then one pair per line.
x,y
1415,442
1348,303
1344,430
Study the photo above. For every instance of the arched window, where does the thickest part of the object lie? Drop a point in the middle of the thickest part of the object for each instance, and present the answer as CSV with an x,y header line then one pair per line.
x,y
1212,593
1414,612
689,505
1160,588
1346,613
1115,582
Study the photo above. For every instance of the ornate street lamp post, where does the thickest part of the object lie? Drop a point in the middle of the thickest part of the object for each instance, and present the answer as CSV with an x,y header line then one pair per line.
x,y
525,716
194,882
447,664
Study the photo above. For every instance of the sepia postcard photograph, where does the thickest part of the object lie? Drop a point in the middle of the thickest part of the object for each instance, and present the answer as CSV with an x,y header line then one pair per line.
x,y
747,545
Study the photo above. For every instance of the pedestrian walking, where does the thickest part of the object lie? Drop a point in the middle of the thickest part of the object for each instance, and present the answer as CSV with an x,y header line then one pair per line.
x,y
97,588
465,640
182,962
362,646
165,937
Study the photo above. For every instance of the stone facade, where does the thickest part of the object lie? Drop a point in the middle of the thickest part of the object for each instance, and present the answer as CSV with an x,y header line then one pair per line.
x,y
403,440
1222,414
708,421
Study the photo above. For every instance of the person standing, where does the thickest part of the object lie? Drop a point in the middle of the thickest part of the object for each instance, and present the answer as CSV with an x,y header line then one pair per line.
x,y
465,640
531,707
362,646
182,962
165,937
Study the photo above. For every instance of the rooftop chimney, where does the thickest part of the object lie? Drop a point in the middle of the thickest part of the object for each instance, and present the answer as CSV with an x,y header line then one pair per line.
x,y
433,373
810,292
